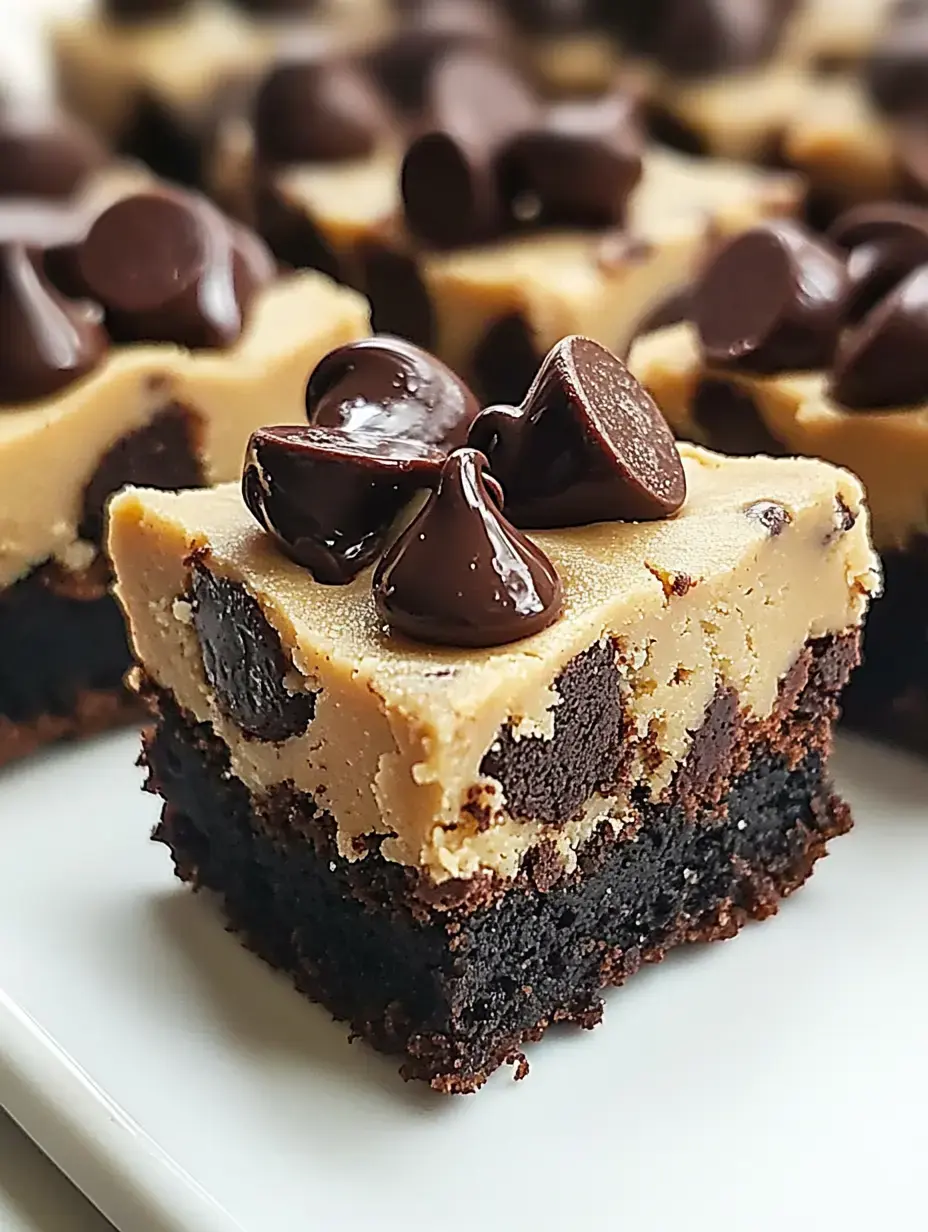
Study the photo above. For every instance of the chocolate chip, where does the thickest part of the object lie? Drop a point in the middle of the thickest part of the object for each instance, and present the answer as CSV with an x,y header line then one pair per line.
x,y
163,454
44,155
392,388
450,178
400,301
461,574
773,516
588,444
730,421
167,268
578,166
320,109
699,37
771,300
165,137
46,341
292,235
244,661
329,497
883,362
505,360
896,70
885,242
142,9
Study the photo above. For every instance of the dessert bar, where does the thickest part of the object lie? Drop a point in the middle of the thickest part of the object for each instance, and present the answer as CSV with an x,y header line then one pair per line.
x,y
458,774
143,336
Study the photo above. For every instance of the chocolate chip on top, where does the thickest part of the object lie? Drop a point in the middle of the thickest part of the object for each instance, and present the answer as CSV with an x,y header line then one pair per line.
x,y
884,242
461,574
393,388
169,267
883,362
772,300
46,341
319,108
329,496
588,444
44,154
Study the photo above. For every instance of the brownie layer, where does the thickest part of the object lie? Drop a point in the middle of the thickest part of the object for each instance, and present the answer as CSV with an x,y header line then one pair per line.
x,y
458,977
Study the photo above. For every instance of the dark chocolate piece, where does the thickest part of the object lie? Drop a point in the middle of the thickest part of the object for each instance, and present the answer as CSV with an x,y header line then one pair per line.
x,y
46,341
461,574
400,300
773,516
318,109
505,360
896,70
771,300
886,241
244,661
169,267
450,178
393,388
729,420
44,155
588,444
883,362
579,165
702,37
329,497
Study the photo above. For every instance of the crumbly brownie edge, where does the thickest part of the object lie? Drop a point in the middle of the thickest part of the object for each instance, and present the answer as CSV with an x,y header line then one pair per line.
x,y
437,982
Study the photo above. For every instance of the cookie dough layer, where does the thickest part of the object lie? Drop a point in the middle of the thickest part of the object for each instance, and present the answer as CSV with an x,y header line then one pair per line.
x,y
720,597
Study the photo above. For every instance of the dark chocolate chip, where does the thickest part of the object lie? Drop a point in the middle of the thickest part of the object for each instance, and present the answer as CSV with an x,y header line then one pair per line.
x,y
578,166
701,37
133,10
292,235
461,574
506,360
318,109
885,242
44,155
164,137
450,178
883,362
771,300
329,497
772,516
168,267
393,388
551,780
730,421
588,444
896,70
244,661
46,341
163,454
400,301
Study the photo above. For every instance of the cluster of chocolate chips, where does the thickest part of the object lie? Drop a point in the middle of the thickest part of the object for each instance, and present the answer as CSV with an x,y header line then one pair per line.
x,y
855,301
157,266
387,421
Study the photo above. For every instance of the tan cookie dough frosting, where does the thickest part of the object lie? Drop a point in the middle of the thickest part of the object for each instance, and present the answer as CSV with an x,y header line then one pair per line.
x,y
707,600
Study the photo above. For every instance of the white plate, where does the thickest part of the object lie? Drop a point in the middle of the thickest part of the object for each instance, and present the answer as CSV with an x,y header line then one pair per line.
x,y
779,1080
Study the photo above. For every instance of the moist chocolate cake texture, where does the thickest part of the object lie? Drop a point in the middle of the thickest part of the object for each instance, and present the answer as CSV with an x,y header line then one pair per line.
x,y
141,335
459,791
818,346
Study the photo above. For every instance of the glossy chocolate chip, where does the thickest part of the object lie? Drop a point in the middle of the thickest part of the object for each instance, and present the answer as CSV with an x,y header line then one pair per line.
x,y
461,574
46,341
168,267
701,37
451,183
244,661
393,388
133,10
885,242
319,109
896,71
771,300
588,444
44,155
883,362
329,497
579,165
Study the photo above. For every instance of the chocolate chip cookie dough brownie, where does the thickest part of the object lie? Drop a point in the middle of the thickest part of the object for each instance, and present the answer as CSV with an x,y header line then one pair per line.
x,y
820,347
145,348
459,773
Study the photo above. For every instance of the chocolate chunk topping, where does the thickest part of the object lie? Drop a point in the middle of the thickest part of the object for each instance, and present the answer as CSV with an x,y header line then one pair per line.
x,y
550,780
506,360
896,70
321,109
579,165
168,267
773,516
700,37
451,182
46,341
44,155
461,574
400,300
886,241
131,10
771,300
883,362
392,388
244,661
588,444
730,421
329,497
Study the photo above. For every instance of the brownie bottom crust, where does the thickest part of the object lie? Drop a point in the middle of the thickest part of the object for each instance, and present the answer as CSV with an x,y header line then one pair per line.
x,y
457,978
